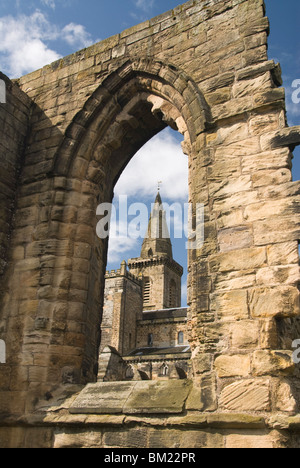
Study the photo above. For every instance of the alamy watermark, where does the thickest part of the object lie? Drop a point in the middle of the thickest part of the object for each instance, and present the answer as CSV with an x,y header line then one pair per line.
x,y
296,353
2,92
2,352
131,221
296,93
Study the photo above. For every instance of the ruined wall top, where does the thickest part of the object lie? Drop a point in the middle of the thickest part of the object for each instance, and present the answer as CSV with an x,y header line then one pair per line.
x,y
190,54
189,12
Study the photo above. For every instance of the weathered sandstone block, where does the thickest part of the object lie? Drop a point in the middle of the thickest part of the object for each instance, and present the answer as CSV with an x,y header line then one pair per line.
x,y
282,301
246,395
272,363
233,366
231,305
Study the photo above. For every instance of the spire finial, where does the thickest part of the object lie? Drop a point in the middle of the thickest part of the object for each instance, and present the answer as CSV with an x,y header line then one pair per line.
x,y
158,185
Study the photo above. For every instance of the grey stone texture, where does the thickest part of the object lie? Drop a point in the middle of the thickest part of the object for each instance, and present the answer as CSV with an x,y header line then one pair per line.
x,y
133,397
68,130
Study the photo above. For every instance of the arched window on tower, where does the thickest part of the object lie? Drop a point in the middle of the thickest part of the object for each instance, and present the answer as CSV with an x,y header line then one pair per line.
x,y
164,370
180,338
172,294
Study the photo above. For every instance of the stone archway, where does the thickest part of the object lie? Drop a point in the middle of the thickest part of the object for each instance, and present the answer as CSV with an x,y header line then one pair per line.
x,y
137,81
202,69
133,104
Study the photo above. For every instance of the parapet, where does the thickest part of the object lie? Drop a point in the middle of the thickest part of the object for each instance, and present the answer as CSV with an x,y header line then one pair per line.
x,y
123,273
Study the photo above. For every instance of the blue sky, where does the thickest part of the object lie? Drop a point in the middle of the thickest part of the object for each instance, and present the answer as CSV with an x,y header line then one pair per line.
x,y
34,33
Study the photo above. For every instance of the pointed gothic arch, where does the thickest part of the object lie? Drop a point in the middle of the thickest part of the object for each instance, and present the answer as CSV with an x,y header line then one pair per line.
x,y
73,126
135,102
171,95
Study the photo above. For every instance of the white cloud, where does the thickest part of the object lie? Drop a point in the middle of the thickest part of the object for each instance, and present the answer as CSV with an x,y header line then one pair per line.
x,y
24,42
144,5
49,3
76,35
161,159
32,55
119,245
22,45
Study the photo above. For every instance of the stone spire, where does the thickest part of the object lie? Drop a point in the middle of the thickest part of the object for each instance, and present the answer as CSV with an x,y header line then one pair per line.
x,y
157,241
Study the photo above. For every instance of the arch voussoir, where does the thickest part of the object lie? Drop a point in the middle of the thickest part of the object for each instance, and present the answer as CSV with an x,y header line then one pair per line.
x,y
148,76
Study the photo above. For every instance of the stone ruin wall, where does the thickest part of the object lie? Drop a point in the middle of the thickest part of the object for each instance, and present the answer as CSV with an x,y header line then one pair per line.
x,y
14,122
202,69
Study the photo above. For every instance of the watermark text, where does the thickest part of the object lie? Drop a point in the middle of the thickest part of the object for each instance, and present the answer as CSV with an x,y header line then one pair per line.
x,y
2,92
184,221
296,353
2,352
296,93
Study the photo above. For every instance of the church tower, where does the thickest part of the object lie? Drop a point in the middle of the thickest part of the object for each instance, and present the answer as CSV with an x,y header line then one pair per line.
x,y
160,273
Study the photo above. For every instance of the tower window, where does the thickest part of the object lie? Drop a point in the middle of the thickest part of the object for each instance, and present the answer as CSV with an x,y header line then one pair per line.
x,y
164,370
130,340
180,338
147,291
150,339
